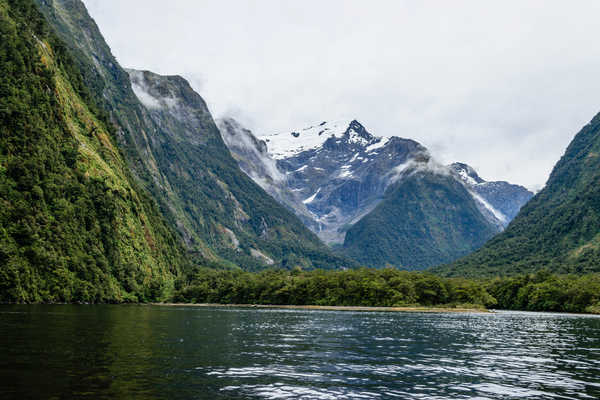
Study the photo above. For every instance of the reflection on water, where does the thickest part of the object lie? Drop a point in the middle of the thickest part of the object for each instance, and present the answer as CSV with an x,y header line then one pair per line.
x,y
150,352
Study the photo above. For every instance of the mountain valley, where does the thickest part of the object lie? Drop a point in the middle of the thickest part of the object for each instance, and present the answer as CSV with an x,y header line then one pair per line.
x,y
334,175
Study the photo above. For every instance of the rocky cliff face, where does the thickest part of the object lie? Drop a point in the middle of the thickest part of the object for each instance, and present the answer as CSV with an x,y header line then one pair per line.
x,y
174,149
253,158
340,171
238,219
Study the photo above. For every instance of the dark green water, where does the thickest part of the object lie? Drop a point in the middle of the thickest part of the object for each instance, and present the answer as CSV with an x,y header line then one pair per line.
x,y
149,352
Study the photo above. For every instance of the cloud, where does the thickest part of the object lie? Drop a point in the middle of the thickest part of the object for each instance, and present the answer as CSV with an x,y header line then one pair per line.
x,y
503,86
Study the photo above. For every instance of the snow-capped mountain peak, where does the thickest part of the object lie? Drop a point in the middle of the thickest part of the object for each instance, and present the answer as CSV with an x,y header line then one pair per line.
x,y
289,144
338,172
356,133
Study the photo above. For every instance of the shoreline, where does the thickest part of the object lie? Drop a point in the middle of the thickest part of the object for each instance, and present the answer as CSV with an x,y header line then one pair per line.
x,y
331,308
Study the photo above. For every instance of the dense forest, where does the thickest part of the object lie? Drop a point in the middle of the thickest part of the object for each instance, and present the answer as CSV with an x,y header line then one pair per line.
x,y
74,225
387,287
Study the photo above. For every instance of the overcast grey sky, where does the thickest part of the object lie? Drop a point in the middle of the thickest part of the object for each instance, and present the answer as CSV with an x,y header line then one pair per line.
x,y
501,85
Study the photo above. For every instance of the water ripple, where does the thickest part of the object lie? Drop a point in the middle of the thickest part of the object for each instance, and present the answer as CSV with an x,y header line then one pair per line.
x,y
182,353
440,356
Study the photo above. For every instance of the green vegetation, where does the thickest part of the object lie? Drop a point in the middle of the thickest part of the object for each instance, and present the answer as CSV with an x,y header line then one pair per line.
x,y
392,288
544,291
360,287
73,224
559,229
77,225
424,220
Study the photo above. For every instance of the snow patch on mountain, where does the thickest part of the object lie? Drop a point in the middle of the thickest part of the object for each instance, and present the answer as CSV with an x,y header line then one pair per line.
x,y
381,142
465,177
345,171
288,144
311,198
466,173
497,214
502,200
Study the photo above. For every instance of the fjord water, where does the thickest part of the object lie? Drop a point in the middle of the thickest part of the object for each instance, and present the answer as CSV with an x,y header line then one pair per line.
x,y
154,352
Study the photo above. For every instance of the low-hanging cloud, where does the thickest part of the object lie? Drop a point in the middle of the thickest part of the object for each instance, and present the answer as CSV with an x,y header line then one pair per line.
x,y
503,86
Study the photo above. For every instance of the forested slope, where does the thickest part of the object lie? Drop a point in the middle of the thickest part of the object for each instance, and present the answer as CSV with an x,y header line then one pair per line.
x,y
424,219
74,226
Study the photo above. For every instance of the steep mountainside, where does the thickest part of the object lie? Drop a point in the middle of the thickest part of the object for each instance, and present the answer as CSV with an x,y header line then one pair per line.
x,y
253,158
172,143
426,218
336,174
74,225
239,219
559,229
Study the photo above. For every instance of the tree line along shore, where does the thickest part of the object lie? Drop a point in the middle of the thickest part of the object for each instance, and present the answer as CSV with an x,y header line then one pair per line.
x,y
540,291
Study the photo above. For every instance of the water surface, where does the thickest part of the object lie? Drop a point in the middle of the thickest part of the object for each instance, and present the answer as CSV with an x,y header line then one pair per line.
x,y
152,352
